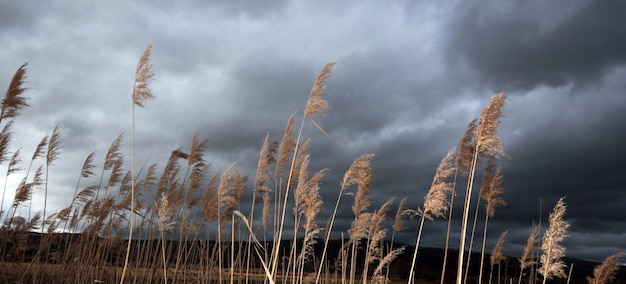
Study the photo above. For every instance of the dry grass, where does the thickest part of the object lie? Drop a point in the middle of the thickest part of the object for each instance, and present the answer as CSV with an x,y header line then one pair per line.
x,y
527,259
179,226
605,272
553,251
497,255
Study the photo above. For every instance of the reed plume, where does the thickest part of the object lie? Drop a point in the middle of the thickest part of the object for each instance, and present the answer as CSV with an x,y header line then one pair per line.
x,y
605,272
54,144
315,106
165,214
13,167
398,225
14,101
310,205
386,261
316,103
377,234
262,172
527,259
462,162
486,144
496,255
435,201
285,149
491,191
553,252
5,141
144,73
360,174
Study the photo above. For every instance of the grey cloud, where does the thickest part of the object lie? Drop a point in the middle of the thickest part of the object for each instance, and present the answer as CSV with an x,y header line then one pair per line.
x,y
513,50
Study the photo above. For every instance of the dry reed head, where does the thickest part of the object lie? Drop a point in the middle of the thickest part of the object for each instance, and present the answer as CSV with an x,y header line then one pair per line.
x,y
378,232
32,223
435,202
391,256
496,253
87,169
308,198
487,140
51,223
309,202
124,189
13,101
53,146
267,213
113,154
198,175
605,272
553,252
316,104
398,224
209,199
491,189
380,216
117,172
150,179
300,157
38,177
165,213
169,176
87,194
301,190
22,193
196,151
360,173
143,75
527,258
5,141
14,163
229,192
286,148
262,167
467,146
360,227
40,148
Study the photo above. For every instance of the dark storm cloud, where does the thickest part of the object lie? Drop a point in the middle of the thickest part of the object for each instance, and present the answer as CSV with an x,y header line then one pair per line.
x,y
515,46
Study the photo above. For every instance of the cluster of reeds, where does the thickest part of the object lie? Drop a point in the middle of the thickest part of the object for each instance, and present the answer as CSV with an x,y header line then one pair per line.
x,y
186,224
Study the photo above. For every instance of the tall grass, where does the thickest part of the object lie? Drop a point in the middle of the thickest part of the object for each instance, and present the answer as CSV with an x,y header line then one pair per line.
x,y
553,251
126,223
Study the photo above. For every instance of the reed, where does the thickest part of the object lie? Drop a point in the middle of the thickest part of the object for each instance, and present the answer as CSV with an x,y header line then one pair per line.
x,y
605,272
497,255
484,143
491,191
527,259
181,223
435,202
551,261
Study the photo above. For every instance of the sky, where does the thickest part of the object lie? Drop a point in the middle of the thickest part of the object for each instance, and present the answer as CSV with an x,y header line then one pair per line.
x,y
409,77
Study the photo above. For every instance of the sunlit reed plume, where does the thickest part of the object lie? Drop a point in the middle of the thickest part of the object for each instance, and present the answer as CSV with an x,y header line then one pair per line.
x,y
435,201
527,259
553,251
497,255
316,104
605,272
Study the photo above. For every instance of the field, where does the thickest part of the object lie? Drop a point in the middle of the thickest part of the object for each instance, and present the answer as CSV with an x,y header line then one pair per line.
x,y
187,226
